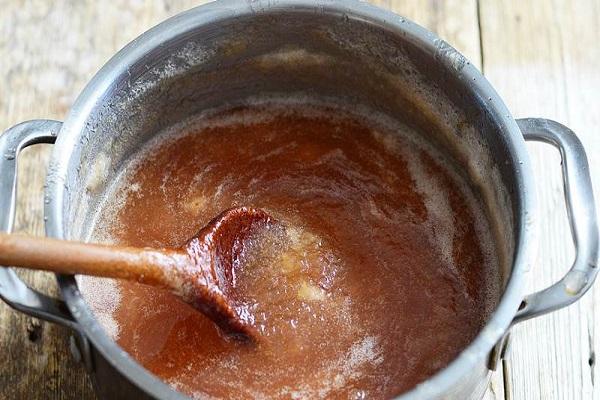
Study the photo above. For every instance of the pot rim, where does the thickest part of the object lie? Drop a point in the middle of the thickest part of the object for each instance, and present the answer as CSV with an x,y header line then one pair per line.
x,y
500,320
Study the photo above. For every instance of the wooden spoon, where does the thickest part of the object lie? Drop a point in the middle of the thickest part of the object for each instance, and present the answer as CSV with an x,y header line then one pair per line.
x,y
202,273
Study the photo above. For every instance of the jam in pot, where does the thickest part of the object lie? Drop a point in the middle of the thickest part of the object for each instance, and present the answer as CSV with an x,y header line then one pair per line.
x,y
382,271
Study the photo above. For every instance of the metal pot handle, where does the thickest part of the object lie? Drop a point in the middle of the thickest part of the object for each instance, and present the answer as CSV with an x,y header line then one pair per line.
x,y
581,209
12,289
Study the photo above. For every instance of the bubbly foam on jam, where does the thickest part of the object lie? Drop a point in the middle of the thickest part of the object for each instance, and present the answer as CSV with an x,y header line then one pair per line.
x,y
382,270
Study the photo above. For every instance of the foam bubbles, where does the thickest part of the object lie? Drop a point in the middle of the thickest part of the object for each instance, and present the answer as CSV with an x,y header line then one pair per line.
x,y
365,353
103,296
440,218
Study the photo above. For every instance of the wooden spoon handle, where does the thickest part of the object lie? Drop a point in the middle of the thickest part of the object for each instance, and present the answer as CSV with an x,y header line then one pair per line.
x,y
149,266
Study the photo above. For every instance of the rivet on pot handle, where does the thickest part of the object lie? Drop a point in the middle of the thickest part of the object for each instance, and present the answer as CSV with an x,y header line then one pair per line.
x,y
582,219
12,289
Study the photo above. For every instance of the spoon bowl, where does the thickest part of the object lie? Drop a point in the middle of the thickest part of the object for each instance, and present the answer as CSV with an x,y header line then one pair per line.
x,y
215,254
202,273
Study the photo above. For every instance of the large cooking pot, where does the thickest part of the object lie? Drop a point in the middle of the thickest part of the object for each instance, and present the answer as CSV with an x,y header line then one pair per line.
x,y
230,51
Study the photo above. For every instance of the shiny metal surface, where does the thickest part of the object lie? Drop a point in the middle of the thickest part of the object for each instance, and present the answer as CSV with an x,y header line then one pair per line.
x,y
12,289
579,198
230,51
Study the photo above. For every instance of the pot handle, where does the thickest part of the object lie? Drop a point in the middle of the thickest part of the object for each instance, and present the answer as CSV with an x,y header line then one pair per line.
x,y
579,199
12,289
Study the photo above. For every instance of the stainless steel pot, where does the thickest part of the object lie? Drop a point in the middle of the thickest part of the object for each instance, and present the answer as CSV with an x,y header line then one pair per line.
x,y
229,51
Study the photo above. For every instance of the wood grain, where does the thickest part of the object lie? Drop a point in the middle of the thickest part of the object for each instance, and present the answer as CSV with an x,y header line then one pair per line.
x,y
543,58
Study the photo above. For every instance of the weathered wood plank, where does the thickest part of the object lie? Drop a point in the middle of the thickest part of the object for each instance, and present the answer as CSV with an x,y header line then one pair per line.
x,y
543,58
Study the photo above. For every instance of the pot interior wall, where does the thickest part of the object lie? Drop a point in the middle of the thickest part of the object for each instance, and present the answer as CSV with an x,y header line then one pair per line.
x,y
320,55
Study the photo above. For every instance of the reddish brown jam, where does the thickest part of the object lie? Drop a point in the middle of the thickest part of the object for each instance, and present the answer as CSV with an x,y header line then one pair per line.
x,y
383,271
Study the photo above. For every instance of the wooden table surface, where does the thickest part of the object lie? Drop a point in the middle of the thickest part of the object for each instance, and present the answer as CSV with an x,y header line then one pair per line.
x,y
543,57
